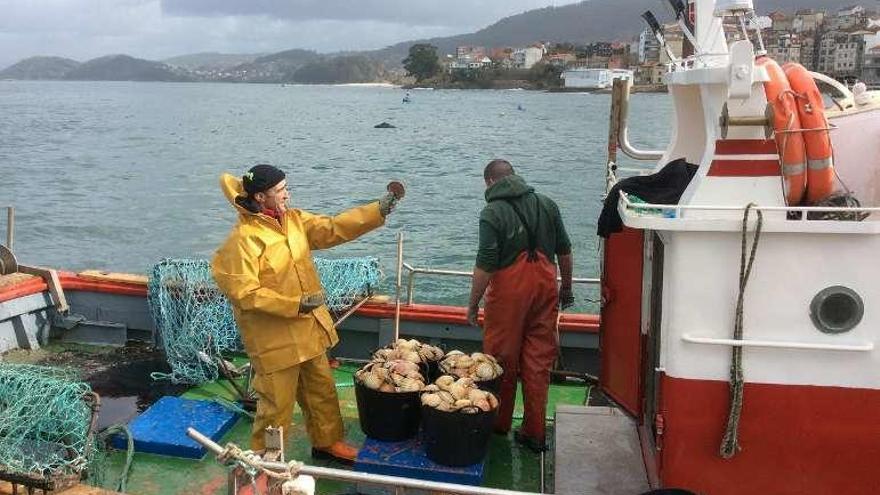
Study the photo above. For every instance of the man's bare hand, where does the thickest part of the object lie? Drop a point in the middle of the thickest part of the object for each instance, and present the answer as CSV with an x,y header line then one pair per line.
x,y
472,314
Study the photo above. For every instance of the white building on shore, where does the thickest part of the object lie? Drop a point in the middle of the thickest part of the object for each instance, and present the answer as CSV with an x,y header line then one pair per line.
x,y
582,77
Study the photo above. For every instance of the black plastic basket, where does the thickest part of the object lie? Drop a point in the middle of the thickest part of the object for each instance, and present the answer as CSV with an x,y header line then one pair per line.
x,y
456,438
493,385
387,416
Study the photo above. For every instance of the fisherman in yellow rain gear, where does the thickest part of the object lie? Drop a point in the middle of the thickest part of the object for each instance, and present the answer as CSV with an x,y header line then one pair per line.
x,y
265,268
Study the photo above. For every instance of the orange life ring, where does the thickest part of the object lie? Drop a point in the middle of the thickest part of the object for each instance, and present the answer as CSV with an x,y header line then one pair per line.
x,y
786,121
811,110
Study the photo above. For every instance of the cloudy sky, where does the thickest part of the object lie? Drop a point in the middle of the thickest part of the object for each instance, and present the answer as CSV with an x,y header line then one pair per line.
x,y
156,29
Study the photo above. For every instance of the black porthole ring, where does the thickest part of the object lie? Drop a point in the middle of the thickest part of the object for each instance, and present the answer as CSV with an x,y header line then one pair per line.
x,y
836,309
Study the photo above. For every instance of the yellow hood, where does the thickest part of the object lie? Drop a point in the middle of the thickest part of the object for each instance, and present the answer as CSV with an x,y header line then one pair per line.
x,y
233,188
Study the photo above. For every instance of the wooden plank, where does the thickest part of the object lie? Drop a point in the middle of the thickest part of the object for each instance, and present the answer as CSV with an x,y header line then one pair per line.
x,y
128,278
14,278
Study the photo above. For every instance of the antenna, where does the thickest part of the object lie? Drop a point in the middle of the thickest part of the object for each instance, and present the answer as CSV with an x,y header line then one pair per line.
x,y
680,9
657,29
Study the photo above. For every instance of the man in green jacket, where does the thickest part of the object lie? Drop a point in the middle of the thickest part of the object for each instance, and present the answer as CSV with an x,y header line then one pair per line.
x,y
521,237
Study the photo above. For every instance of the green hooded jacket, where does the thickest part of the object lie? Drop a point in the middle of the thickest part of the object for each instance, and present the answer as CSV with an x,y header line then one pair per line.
x,y
503,236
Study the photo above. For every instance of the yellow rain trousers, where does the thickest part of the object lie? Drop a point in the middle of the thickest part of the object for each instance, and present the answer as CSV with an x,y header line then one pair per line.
x,y
264,267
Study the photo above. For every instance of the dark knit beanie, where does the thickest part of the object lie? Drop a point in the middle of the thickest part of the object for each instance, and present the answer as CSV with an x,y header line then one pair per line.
x,y
261,178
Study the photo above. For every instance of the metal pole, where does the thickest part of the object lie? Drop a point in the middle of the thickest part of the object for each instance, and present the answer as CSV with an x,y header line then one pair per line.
x,y
410,287
622,139
10,227
352,310
357,477
399,284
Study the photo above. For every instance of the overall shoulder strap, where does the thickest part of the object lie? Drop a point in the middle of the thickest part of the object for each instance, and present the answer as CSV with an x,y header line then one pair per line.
x,y
531,233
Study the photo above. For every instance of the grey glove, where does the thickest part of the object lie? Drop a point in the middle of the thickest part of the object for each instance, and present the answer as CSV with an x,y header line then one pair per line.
x,y
566,298
387,204
310,302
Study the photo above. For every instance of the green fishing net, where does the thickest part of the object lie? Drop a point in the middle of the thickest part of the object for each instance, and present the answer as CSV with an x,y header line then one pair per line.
x,y
45,415
195,322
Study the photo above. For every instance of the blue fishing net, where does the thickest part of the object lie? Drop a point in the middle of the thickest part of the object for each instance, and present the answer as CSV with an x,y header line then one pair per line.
x,y
195,321
45,417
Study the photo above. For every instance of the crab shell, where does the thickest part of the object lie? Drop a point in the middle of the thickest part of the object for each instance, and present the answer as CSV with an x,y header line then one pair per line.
x,y
383,354
476,395
444,382
446,397
410,355
404,367
410,385
464,362
483,404
371,380
463,403
431,400
458,391
493,402
431,388
387,387
485,371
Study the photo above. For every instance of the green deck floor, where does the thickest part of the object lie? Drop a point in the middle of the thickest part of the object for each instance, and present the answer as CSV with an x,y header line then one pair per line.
x,y
508,465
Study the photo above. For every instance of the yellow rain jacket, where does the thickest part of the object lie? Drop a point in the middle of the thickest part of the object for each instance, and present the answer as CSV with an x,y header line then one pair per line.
x,y
265,267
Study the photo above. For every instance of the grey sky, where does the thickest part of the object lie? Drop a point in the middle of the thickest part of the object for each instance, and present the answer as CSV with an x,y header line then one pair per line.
x,y
156,29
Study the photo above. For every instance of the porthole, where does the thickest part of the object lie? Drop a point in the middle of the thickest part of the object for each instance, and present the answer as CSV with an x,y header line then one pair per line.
x,y
836,309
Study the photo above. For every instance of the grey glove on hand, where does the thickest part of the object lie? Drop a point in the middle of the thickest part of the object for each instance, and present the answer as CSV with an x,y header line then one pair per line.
x,y
387,204
310,302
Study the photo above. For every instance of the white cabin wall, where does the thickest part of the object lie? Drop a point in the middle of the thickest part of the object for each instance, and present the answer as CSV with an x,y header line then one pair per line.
x,y
701,274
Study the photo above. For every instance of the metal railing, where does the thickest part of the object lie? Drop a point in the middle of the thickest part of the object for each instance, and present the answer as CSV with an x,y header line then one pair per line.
x,y
620,104
10,226
359,477
413,271
629,205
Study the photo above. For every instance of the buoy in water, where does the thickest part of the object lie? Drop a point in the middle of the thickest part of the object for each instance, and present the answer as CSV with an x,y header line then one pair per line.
x,y
384,125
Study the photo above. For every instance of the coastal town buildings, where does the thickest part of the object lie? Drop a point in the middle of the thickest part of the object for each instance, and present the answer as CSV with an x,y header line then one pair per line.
x,y
842,43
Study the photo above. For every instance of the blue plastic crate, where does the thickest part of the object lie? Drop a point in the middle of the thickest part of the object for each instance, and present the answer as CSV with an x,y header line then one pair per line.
x,y
408,459
161,429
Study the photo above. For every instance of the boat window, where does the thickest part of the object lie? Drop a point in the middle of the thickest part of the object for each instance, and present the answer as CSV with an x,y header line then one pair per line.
x,y
836,309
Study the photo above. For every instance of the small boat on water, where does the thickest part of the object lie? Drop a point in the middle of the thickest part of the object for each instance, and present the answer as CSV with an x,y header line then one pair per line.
x,y
737,339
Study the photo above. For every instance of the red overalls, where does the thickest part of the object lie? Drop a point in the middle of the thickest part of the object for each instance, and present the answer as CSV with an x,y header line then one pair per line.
x,y
520,331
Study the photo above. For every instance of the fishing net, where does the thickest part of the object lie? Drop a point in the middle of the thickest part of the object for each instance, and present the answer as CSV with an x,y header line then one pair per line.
x,y
45,422
195,321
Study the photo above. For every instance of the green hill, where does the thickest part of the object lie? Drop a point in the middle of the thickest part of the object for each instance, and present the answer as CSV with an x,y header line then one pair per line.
x,y
36,68
124,68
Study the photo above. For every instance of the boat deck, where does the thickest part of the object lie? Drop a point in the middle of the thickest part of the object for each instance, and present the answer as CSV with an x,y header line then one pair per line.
x,y
122,379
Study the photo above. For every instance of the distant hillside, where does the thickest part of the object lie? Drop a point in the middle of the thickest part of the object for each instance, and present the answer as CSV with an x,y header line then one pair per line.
x,y
583,22
339,70
275,68
211,60
124,68
35,68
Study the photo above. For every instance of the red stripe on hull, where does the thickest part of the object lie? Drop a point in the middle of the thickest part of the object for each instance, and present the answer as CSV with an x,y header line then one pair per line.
x,y
456,315
745,147
794,439
744,168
